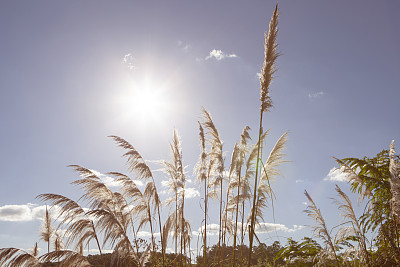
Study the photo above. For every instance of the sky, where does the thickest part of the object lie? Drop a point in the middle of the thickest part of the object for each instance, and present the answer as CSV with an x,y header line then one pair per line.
x,y
75,72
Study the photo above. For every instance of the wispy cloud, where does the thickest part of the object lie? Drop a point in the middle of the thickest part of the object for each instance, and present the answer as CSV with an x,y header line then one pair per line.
x,y
299,181
219,55
337,175
263,228
128,61
184,46
315,95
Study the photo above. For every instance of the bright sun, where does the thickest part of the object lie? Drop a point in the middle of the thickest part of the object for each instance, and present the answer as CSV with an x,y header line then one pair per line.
x,y
145,102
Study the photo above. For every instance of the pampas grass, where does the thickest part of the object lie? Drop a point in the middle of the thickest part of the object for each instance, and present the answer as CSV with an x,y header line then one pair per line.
x,y
320,230
267,73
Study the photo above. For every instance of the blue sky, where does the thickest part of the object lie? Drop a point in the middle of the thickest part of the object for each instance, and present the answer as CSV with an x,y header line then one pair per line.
x,y
72,73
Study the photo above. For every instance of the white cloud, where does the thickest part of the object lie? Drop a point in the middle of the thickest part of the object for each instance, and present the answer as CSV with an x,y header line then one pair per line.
x,y
219,55
299,181
316,95
336,174
128,61
14,213
146,234
212,229
21,213
191,192
304,203
143,234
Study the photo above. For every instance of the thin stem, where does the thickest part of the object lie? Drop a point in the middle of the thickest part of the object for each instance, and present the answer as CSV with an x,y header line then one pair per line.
x,y
251,233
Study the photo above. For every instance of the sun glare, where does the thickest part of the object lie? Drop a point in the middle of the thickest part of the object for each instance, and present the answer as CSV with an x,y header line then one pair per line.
x,y
145,102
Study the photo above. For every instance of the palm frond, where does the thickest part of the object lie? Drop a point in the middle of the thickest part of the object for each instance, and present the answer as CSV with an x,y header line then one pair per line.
x,y
353,178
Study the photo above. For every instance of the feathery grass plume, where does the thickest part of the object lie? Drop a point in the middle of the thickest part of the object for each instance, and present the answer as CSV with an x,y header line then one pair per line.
x,y
136,162
109,208
114,231
58,244
216,162
268,173
229,208
46,231
202,175
394,180
267,74
271,54
14,257
66,258
176,185
320,230
138,166
96,192
246,193
237,161
356,229
80,227
35,250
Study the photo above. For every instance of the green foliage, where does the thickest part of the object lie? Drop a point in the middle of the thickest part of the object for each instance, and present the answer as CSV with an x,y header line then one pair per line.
x,y
299,253
373,179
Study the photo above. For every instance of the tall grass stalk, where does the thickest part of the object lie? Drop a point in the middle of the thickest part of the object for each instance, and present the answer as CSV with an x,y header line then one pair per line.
x,y
203,174
216,165
238,170
320,230
142,170
47,229
267,73
356,229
